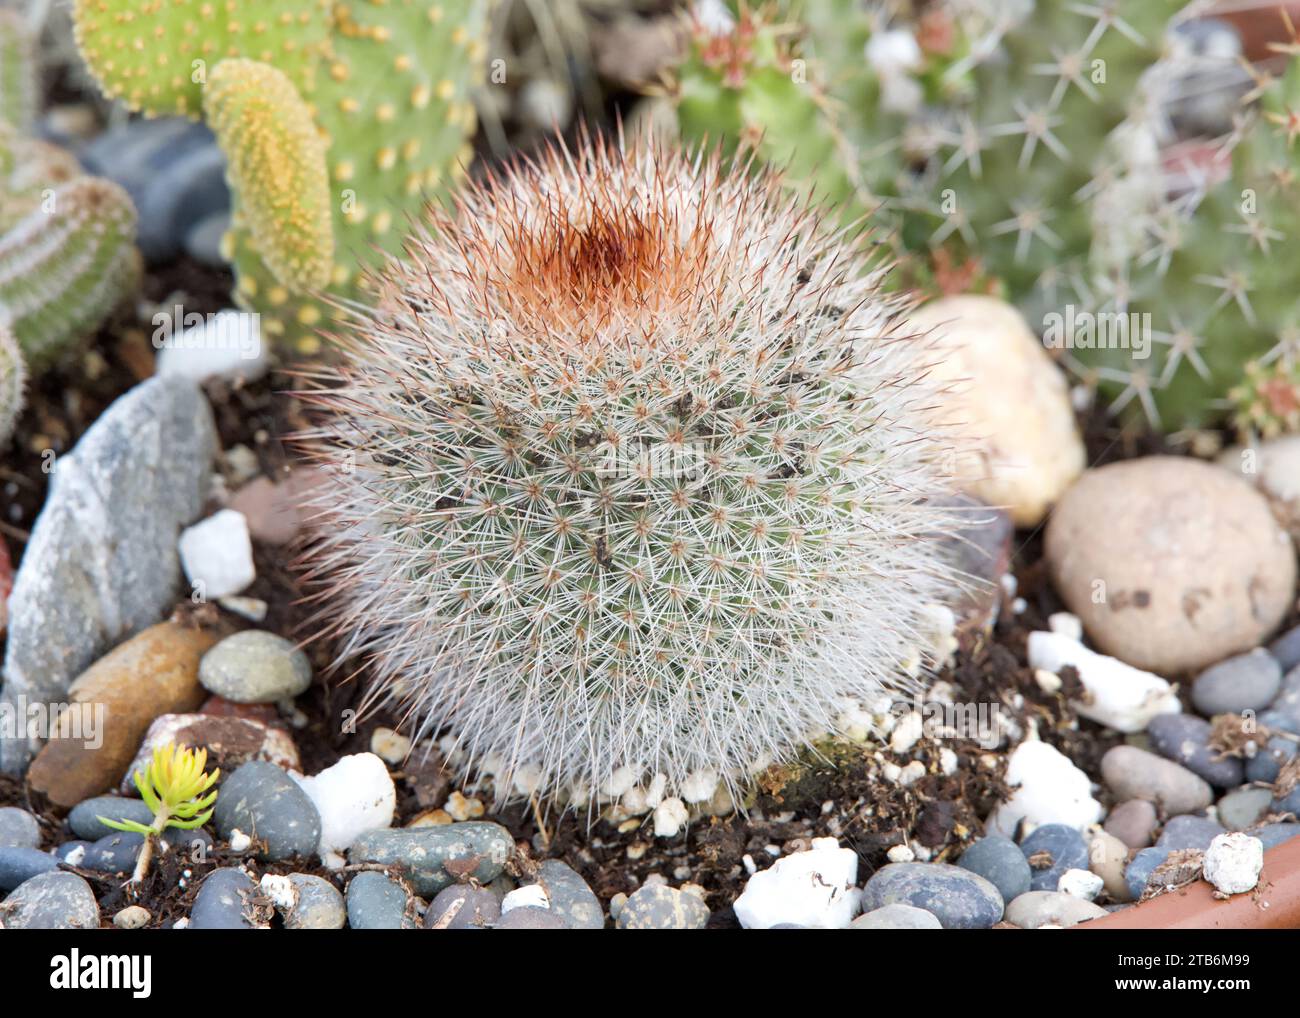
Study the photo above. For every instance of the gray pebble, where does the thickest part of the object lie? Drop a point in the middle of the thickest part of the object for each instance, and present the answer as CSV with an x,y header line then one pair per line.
x,y
219,905
265,803
319,906
1286,648
1245,682
531,917
1289,803
255,667
462,908
1040,908
1267,764
1189,832
1133,773
1185,739
1284,712
1133,822
1141,867
571,899
999,861
960,899
659,907
56,900
898,917
84,818
376,902
1243,807
18,865
18,828
1060,848
1274,834
424,850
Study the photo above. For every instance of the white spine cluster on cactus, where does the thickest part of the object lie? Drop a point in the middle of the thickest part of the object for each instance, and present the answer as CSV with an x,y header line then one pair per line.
x,y
631,474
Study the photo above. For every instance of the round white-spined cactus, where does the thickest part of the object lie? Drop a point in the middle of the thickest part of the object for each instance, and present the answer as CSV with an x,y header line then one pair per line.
x,y
632,474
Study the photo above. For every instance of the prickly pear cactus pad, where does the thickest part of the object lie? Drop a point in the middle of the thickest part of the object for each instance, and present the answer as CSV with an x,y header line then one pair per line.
x,y
384,84
631,471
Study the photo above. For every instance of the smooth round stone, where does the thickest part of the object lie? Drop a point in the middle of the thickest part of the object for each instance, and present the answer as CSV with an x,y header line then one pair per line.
x,y
376,902
961,900
1133,822
1050,908
133,917
462,908
265,803
1267,764
999,861
56,900
530,917
897,917
1064,849
84,818
219,905
1284,712
1107,858
1140,869
424,851
1191,564
571,899
18,828
1272,835
1243,807
1133,773
658,907
1189,832
1185,739
18,865
1241,683
255,667
319,907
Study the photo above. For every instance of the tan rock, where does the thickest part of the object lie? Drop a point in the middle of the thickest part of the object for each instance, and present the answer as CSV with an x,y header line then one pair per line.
x,y
1008,411
1107,857
1172,564
230,741
155,672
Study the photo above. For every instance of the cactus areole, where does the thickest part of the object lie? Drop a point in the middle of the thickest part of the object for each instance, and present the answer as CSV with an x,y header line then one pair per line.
x,y
631,477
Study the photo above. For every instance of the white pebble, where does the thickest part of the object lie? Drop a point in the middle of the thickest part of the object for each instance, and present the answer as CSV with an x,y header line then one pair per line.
x,y
1081,884
1048,682
948,762
901,853
1047,789
390,746
813,888
217,555
699,786
670,816
528,896
1066,624
239,841
353,796
226,345
1233,862
1120,696
912,773
251,608
907,732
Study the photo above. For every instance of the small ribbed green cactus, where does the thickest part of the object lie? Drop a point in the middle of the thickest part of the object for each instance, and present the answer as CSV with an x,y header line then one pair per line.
x,y
13,376
339,120
633,474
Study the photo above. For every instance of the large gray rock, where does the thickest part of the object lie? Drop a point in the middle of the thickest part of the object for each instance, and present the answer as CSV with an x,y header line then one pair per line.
x,y
102,563
475,848
52,901
265,803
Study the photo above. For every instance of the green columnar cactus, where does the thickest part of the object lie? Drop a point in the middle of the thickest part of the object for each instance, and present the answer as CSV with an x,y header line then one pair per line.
x,y
340,120
66,265
13,376
18,79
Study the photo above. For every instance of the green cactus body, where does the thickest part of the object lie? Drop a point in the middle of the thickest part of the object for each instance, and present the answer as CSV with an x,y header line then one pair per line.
x,y
13,375
66,265
18,78
387,83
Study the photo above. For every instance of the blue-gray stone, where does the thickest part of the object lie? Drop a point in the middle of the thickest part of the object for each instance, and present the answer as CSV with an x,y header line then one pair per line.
x,y
1189,832
18,828
1274,834
1267,764
319,906
219,905
1289,803
999,861
1245,682
897,917
1185,739
203,239
263,802
531,917
571,899
660,907
1065,847
1286,648
18,865
462,907
377,902
84,818
1140,869
1284,712
960,899
1240,808
56,900
424,850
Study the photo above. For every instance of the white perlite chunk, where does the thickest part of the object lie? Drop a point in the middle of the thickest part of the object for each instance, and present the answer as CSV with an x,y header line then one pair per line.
x,y
1233,862
225,345
670,816
528,896
1081,884
217,555
1119,696
812,888
353,796
1048,789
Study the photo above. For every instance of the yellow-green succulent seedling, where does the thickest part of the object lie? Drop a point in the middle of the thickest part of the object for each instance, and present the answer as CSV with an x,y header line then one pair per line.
x,y
176,788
